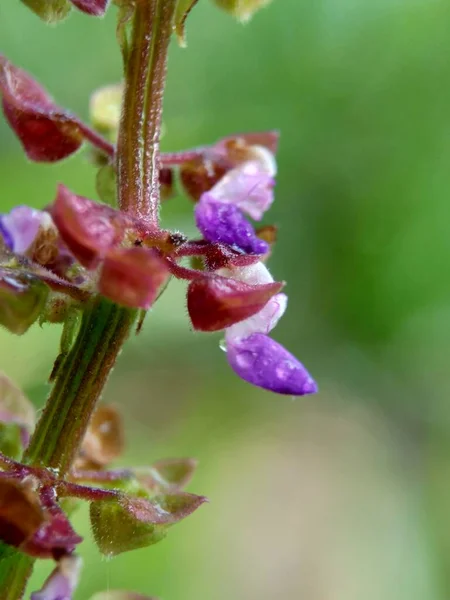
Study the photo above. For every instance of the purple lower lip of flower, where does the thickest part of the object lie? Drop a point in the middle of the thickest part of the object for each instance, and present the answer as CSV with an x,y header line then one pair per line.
x,y
261,361
4,233
225,224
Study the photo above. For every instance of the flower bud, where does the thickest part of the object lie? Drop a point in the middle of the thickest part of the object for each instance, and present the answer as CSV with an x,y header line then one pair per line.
x,y
105,106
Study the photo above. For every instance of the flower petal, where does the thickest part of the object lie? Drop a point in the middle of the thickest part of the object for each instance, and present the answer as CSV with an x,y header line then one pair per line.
x,y
263,321
225,224
62,581
96,8
20,227
248,187
267,364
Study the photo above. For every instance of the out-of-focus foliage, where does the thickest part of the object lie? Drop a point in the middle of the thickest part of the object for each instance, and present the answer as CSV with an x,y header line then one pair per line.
x,y
337,497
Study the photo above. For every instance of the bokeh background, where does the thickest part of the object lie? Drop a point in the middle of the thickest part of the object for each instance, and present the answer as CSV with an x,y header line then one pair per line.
x,y
341,496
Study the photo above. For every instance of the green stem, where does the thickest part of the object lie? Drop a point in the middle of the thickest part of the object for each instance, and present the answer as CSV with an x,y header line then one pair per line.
x,y
62,426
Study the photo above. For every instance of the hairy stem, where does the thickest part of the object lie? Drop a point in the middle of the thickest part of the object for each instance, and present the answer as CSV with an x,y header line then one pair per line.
x,y
61,428
82,376
138,157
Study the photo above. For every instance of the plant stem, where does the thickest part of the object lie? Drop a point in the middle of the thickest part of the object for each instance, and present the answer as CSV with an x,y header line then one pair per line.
x,y
62,426
138,157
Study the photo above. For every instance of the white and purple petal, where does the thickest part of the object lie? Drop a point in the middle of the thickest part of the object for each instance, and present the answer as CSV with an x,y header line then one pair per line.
x,y
261,361
248,187
62,582
263,322
20,227
224,223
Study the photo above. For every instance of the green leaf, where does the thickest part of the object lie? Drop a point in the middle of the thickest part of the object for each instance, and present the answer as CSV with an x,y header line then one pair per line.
x,y
50,11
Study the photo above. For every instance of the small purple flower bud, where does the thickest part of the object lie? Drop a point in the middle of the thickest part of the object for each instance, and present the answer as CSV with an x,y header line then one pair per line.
x,y
224,223
265,363
20,227
62,582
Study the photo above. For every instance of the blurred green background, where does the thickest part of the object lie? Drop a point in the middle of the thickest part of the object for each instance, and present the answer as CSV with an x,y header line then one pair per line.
x,y
341,496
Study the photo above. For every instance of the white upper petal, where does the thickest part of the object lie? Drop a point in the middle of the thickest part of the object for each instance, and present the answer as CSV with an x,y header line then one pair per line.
x,y
267,318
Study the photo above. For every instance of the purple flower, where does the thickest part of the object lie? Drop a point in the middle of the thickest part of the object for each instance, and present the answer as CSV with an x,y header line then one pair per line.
x,y
62,581
248,188
253,355
20,227
262,361
224,223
